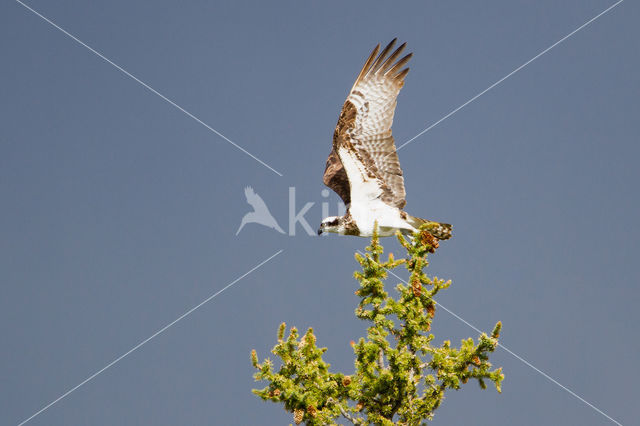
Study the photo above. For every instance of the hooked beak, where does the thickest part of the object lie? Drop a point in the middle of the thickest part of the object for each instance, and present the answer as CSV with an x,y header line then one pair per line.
x,y
319,231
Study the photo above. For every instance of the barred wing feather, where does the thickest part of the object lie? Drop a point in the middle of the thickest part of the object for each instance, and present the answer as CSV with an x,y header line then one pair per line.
x,y
364,128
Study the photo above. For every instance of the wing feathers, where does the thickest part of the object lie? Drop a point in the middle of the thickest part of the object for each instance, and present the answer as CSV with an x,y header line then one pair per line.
x,y
364,128
389,62
366,66
402,75
401,63
380,61
335,177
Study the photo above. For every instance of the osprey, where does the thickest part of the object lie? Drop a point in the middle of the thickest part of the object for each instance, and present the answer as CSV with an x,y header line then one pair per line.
x,y
363,167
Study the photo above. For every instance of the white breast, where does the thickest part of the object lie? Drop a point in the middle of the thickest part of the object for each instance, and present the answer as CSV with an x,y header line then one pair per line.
x,y
366,206
388,218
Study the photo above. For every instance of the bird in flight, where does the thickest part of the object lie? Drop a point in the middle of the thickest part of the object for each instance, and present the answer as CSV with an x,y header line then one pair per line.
x,y
260,213
363,167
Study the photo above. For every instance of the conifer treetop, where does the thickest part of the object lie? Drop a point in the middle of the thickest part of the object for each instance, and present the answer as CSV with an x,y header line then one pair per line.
x,y
400,375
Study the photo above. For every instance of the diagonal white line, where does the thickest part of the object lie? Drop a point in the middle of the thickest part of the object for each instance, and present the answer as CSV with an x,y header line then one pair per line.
x,y
151,89
518,357
136,347
509,75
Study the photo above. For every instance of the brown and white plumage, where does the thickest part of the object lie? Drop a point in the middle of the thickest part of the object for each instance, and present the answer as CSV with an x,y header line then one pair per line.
x,y
365,123
363,166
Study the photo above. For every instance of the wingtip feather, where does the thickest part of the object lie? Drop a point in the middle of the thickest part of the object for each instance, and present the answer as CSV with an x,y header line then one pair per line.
x,y
389,62
400,77
381,62
398,65
381,57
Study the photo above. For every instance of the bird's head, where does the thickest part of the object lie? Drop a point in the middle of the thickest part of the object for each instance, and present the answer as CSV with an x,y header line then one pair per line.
x,y
333,224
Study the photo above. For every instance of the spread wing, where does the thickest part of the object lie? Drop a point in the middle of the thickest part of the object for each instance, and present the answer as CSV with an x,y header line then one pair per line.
x,y
254,200
363,133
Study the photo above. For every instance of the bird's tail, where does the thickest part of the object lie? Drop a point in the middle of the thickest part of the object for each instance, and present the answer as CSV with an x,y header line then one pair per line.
x,y
441,231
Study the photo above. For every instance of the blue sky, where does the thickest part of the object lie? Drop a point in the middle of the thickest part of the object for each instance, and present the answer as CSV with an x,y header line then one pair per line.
x,y
119,211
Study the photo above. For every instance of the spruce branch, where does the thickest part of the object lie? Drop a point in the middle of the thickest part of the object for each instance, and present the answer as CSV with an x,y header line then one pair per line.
x,y
400,376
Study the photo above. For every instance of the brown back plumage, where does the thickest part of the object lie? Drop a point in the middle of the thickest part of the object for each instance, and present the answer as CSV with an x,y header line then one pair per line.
x,y
365,125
